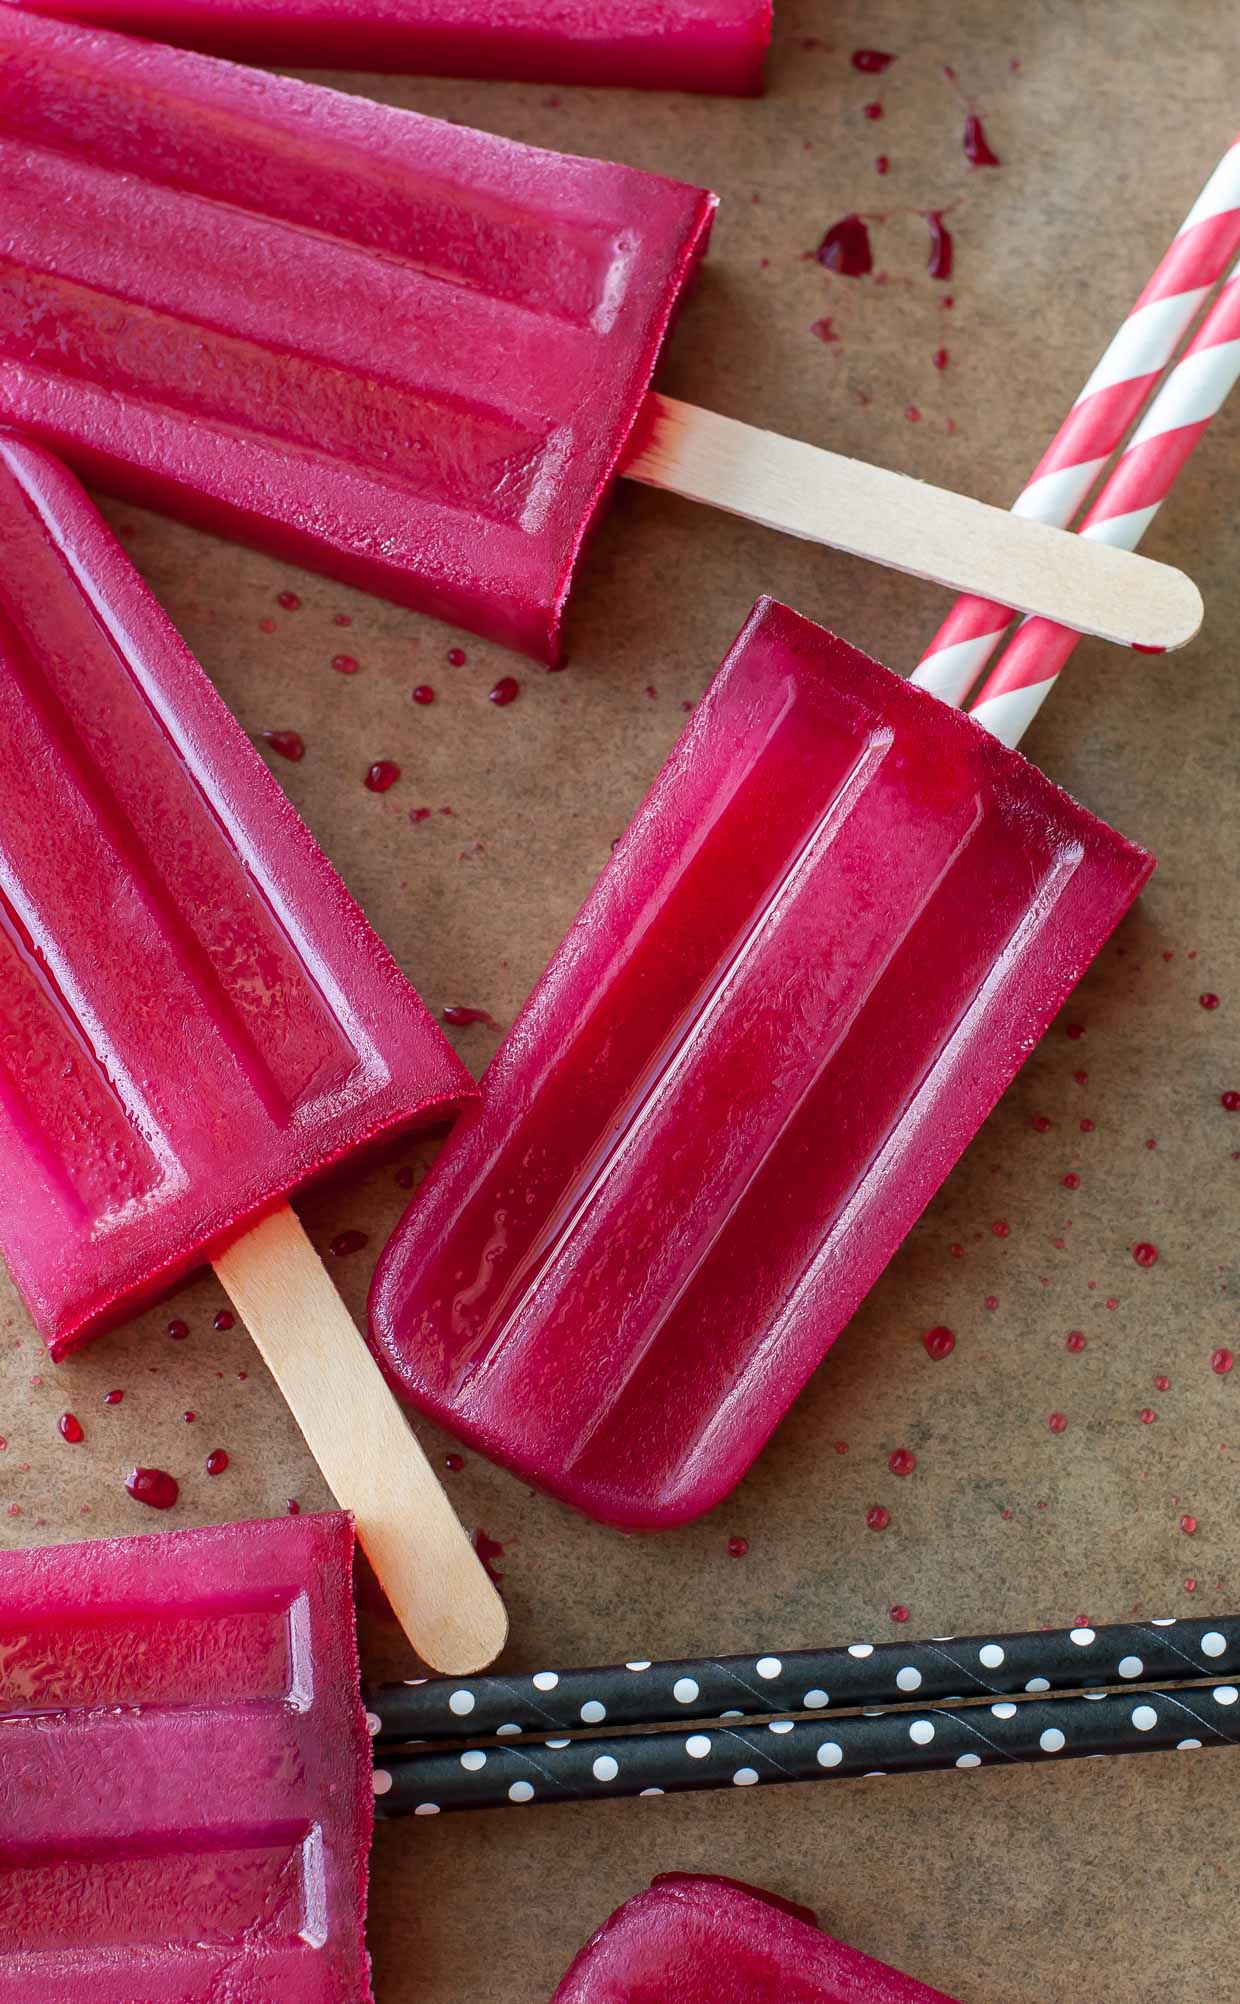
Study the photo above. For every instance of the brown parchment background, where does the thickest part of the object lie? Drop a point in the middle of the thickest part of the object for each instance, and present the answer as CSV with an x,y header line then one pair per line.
x,y
1115,1883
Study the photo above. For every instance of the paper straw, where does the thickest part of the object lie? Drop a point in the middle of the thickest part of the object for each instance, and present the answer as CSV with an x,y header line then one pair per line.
x,y
1172,428
1208,240
748,1756
640,1693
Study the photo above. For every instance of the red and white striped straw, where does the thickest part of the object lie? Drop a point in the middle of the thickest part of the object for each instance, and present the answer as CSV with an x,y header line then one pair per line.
x,y
1170,431
1207,241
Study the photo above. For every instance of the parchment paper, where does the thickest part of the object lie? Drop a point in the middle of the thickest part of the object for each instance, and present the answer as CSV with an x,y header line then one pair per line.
x,y
1112,1882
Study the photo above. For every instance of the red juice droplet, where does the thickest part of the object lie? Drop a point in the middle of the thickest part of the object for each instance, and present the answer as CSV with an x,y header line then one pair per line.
x,y
217,1461
1162,1383
1229,1101
267,625
292,1507
1001,1228
70,1429
289,744
383,774
899,1613
977,150
902,1462
454,1463
1221,1362
872,111
912,414
178,1330
460,1015
290,601
113,1398
1057,1422
153,1486
878,1516
1071,1181
940,358
871,62
846,248
737,1547
1188,1525
345,664
942,249
939,1343
825,330
225,1319
1074,1341
506,691
488,1550
457,657
1148,1416
1145,1254
882,164
345,1243
1209,1001
343,619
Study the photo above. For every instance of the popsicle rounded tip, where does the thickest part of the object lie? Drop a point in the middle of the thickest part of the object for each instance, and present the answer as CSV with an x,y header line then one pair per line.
x,y
1183,613
468,1641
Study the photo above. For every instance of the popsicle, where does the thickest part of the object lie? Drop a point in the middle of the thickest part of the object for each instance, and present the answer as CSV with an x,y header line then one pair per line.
x,y
187,1801
408,354
195,1020
695,1938
696,45
826,943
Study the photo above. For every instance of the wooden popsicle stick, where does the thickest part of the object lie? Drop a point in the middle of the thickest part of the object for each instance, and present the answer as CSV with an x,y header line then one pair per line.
x,y
929,532
372,1462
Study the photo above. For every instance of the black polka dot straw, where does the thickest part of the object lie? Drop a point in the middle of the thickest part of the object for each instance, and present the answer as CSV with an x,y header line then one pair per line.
x,y
642,1693
667,1762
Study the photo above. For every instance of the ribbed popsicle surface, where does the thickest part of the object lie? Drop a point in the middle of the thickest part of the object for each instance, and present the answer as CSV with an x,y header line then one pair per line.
x,y
194,1015
831,935
393,349
185,1792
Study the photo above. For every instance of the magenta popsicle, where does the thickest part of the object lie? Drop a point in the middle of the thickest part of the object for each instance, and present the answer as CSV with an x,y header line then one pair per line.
x,y
195,1017
830,937
187,1800
697,45
699,1939
402,352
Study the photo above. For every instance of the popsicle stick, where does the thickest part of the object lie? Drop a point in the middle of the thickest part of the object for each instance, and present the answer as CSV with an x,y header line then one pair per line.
x,y
371,1460
926,531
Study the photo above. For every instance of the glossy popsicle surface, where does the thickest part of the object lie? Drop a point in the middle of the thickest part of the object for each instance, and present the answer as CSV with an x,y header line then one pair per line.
x,y
699,45
195,1017
829,938
404,353
187,1799
699,1940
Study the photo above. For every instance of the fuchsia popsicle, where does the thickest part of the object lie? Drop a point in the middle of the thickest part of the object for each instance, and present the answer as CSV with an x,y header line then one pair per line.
x,y
831,935
187,1798
195,1017
195,1020
697,45
696,1939
402,352
410,355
